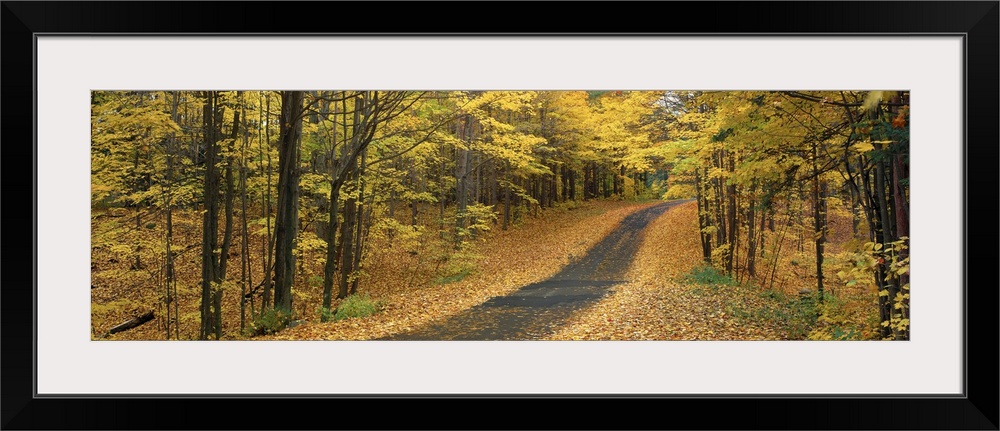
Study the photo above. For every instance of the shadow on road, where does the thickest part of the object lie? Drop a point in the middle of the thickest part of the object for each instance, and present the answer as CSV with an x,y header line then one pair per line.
x,y
537,310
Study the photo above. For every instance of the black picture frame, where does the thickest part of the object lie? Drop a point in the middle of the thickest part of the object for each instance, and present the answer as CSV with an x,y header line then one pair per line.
x,y
976,409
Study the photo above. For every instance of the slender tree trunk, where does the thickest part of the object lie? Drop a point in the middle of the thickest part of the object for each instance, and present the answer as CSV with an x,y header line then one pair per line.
x,y
751,233
731,215
331,256
720,220
564,177
423,188
347,240
703,219
875,234
902,231
761,245
616,184
330,268
506,198
244,249
246,276
572,185
136,188
885,238
227,236
209,267
553,188
171,144
358,237
605,187
594,192
819,224
346,246
462,175
777,251
265,302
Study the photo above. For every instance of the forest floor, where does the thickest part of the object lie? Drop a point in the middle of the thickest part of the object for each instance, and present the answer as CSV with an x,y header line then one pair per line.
x,y
505,261
641,278
660,300
669,294
597,270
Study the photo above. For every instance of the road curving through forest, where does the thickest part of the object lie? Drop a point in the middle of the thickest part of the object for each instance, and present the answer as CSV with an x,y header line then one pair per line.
x,y
535,311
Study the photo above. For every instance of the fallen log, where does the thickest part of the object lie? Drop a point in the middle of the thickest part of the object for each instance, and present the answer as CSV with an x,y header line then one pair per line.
x,y
137,321
253,291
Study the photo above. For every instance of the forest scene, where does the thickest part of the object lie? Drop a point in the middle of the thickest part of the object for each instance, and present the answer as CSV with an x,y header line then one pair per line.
x,y
500,215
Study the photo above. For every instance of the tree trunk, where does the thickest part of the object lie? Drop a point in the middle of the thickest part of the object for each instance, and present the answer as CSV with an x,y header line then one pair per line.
x,y
227,236
265,302
605,187
331,255
360,222
720,220
137,263
209,266
704,221
731,215
572,185
506,199
462,176
553,187
751,233
346,246
902,231
286,221
170,283
244,248
330,268
819,223
885,238
246,276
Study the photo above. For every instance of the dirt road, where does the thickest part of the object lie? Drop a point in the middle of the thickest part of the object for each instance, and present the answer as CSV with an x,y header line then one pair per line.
x,y
536,310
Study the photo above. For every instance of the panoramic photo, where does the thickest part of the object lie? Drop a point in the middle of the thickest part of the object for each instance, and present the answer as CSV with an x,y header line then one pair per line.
x,y
500,215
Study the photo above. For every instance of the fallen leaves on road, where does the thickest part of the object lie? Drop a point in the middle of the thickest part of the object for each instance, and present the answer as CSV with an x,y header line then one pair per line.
x,y
508,261
654,305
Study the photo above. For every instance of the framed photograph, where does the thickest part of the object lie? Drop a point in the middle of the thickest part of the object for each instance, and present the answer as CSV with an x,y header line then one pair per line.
x,y
934,65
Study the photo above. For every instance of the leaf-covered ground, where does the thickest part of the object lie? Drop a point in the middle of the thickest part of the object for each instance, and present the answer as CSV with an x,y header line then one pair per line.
x,y
508,260
659,301
663,301
657,305
416,278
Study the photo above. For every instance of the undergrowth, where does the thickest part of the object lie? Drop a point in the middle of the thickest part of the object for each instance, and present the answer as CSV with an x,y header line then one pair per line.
x,y
357,305
797,315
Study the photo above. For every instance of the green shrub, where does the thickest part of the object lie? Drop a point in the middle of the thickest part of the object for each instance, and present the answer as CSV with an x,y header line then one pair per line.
x,y
358,305
325,314
269,322
457,265
835,321
453,278
709,275
796,315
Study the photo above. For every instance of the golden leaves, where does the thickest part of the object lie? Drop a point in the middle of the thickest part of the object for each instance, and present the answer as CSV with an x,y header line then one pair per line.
x,y
652,305
872,100
507,260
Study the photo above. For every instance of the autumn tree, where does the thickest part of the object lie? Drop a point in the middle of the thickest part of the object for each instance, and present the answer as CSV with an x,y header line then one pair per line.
x,y
753,156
